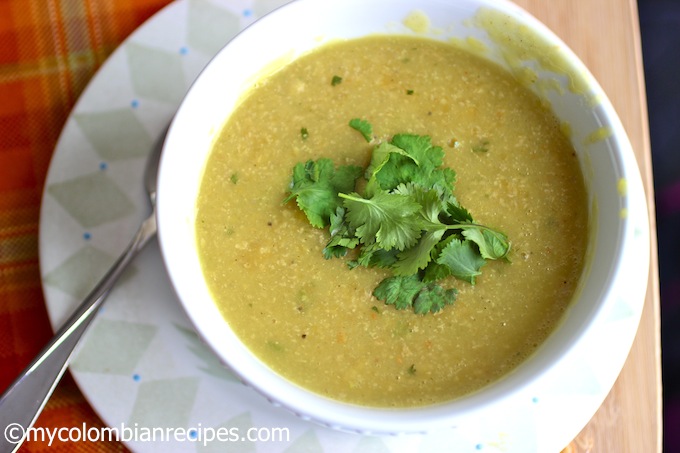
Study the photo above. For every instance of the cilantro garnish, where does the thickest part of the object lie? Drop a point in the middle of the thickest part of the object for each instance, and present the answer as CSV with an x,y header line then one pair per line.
x,y
363,126
405,219
315,186
336,80
481,147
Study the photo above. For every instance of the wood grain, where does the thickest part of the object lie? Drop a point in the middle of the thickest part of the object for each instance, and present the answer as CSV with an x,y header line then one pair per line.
x,y
605,34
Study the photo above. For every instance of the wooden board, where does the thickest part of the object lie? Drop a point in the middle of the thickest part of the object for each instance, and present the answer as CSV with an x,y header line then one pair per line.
x,y
605,35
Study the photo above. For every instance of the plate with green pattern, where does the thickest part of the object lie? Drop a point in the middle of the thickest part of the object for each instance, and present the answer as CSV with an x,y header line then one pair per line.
x,y
141,365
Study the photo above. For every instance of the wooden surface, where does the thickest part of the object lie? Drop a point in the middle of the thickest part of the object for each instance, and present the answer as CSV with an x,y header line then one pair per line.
x,y
605,35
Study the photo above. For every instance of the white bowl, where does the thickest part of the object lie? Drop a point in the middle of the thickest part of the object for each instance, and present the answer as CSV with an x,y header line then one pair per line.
x,y
619,245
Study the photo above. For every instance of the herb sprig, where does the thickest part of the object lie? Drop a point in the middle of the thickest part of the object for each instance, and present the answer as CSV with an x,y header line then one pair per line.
x,y
406,219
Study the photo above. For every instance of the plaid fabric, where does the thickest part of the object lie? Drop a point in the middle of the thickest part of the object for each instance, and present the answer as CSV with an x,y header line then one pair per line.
x,y
49,50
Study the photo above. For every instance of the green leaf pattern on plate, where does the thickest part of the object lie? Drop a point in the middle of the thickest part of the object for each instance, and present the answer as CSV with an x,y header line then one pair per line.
x,y
79,272
164,403
114,347
115,134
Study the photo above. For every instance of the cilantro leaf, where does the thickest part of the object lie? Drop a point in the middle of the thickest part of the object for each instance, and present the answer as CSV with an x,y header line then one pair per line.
x,y
433,298
373,255
315,186
419,163
342,236
429,158
397,169
406,292
363,126
444,177
411,260
384,258
381,155
385,218
462,258
435,271
456,213
492,244
345,176
399,291
431,201
421,148
336,80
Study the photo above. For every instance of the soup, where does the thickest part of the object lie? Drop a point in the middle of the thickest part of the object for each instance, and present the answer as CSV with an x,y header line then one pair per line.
x,y
315,321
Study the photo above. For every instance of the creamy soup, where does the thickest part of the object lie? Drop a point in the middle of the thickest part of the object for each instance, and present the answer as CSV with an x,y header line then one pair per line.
x,y
315,321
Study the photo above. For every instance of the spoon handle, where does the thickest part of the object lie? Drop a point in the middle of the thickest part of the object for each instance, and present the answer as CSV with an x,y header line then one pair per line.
x,y
23,401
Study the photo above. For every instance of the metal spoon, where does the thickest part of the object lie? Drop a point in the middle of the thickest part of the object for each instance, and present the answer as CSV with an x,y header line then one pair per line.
x,y
23,401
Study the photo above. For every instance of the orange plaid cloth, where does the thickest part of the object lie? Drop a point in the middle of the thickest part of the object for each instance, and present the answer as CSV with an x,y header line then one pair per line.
x,y
49,50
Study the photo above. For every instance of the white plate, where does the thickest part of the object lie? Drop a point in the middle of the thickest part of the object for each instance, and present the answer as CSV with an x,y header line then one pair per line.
x,y
141,366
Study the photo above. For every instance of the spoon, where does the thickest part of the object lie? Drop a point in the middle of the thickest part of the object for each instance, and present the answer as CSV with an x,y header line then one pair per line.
x,y
23,401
